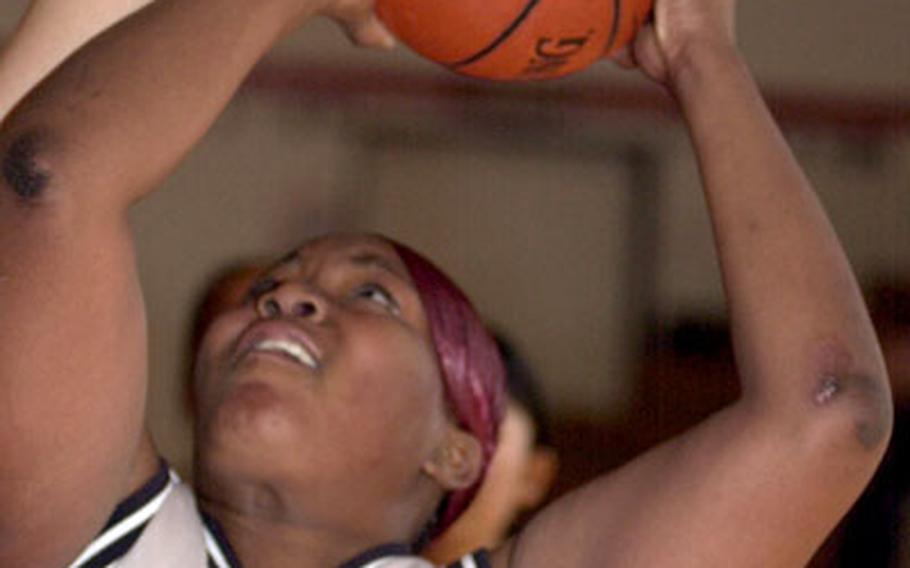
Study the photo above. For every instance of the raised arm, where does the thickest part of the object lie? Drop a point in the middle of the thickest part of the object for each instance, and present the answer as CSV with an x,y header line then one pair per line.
x,y
96,135
762,482
49,31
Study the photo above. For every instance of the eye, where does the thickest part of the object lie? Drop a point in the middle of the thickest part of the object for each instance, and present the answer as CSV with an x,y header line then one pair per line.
x,y
375,293
261,287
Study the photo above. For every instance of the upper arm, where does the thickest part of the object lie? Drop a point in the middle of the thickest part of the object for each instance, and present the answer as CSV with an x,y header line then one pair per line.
x,y
72,362
748,487
48,32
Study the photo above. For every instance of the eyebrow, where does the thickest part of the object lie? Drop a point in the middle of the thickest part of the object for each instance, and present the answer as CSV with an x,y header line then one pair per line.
x,y
369,259
293,256
364,259
289,259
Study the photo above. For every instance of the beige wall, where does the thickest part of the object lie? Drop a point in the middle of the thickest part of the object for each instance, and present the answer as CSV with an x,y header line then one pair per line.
x,y
851,46
536,213
864,183
540,236
536,236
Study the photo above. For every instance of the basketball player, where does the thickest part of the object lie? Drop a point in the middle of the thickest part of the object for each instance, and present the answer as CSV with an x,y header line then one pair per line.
x,y
348,406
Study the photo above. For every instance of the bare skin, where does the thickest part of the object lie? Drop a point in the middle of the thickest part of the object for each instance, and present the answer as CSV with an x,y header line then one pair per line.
x,y
280,442
517,481
28,56
759,484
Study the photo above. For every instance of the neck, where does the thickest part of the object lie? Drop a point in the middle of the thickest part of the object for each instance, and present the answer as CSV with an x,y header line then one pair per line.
x,y
265,542
267,531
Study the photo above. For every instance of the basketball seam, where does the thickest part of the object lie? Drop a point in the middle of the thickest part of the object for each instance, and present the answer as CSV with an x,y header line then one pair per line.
x,y
529,7
617,17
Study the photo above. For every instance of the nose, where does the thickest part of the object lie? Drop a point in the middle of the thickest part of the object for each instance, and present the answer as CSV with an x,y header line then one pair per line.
x,y
290,298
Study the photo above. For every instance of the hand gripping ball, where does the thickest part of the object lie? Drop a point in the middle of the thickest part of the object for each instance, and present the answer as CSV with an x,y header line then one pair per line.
x,y
514,39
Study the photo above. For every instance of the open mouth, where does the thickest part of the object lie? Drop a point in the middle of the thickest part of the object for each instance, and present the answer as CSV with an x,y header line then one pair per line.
x,y
290,349
279,338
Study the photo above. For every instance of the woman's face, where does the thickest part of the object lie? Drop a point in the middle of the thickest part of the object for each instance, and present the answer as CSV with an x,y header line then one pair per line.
x,y
323,377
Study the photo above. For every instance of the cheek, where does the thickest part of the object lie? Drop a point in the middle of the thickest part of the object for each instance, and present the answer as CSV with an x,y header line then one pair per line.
x,y
211,359
394,388
392,362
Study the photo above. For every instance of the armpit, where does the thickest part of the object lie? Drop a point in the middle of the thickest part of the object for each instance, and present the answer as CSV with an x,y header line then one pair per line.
x,y
22,170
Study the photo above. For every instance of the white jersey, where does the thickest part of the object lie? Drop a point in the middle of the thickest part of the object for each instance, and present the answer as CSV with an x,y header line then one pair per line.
x,y
160,526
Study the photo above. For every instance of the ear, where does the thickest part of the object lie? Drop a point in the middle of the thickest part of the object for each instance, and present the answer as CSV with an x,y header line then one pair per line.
x,y
538,478
456,463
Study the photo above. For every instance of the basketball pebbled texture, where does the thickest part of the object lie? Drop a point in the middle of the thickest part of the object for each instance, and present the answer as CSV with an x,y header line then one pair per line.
x,y
514,39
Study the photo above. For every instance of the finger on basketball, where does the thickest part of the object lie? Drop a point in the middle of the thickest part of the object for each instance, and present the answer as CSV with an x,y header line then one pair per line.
x,y
648,55
360,23
370,33
624,58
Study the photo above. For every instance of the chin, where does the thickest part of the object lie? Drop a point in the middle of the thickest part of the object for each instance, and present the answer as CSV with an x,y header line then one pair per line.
x,y
251,429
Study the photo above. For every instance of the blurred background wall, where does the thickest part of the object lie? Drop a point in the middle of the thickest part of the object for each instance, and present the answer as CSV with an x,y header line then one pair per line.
x,y
570,211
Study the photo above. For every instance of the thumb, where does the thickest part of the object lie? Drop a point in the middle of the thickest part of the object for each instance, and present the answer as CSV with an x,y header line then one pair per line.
x,y
624,58
372,33
649,55
364,28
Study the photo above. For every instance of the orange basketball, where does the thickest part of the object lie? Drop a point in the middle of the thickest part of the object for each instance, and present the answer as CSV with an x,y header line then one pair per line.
x,y
514,39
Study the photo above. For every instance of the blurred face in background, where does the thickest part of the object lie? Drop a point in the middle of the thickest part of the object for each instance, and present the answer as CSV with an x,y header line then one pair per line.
x,y
517,481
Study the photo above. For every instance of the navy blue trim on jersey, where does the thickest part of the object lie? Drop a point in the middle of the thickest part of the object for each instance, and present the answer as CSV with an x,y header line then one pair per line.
x,y
141,496
115,551
482,559
378,553
221,541
129,519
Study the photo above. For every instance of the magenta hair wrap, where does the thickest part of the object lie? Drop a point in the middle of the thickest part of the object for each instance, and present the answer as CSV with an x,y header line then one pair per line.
x,y
469,361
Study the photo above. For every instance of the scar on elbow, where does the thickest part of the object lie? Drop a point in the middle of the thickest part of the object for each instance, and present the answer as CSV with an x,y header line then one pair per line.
x,y
21,168
872,422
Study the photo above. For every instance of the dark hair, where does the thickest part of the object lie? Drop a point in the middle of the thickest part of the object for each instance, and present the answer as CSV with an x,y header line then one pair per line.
x,y
470,365
522,386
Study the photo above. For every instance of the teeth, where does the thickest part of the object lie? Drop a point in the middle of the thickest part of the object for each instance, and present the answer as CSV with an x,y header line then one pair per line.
x,y
289,348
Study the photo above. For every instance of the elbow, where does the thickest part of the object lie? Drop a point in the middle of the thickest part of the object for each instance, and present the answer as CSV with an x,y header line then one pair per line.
x,y
834,409
849,400
857,410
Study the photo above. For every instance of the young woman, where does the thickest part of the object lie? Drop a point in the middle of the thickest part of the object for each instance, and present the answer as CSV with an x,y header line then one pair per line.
x,y
331,417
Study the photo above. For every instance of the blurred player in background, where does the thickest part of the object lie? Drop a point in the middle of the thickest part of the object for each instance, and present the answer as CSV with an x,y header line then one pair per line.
x,y
521,474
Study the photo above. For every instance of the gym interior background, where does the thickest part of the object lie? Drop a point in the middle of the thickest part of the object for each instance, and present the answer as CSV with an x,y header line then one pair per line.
x,y
570,210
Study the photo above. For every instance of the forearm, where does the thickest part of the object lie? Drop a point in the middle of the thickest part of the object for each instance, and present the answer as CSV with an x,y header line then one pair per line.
x,y
797,313
762,482
47,34
119,115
